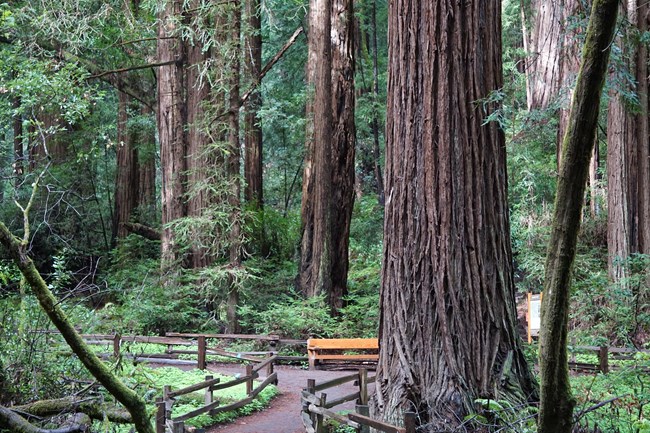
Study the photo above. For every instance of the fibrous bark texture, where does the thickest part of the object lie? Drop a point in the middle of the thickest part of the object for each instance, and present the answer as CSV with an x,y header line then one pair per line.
x,y
171,128
126,179
447,329
555,415
253,191
628,147
316,243
343,144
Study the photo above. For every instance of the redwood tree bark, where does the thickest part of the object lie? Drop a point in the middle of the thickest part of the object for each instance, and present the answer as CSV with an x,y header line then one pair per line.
x,y
628,147
253,191
447,328
316,243
171,128
557,403
343,145
127,178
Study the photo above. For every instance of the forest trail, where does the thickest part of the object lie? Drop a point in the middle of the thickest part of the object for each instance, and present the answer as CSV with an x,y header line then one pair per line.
x,y
283,415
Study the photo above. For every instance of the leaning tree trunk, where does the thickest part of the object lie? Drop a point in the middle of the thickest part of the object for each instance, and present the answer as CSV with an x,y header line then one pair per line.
x,y
343,145
52,307
316,243
557,403
171,129
448,319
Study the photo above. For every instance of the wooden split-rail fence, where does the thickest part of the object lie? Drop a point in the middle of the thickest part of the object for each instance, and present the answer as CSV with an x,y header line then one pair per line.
x,y
165,423
316,408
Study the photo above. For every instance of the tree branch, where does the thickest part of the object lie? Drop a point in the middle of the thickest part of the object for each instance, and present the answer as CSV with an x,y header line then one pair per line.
x,y
132,68
143,230
271,63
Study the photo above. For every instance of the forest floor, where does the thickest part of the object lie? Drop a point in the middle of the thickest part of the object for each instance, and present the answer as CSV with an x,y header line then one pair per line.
x,y
283,414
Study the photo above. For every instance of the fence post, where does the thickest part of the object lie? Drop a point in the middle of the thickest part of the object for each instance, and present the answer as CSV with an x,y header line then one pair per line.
x,y
249,382
116,345
209,394
311,388
410,422
201,357
365,411
160,415
179,427
318,426
603,358
363,387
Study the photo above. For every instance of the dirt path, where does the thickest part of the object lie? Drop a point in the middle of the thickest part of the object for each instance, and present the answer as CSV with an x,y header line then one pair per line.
x,y
283,415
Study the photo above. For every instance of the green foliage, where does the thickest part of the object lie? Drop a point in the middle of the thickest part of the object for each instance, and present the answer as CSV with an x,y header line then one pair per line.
x,y
291,317
501,415
628,413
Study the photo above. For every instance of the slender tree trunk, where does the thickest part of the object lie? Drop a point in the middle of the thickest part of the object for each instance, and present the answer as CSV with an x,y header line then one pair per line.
x,y
126,179
448,319
146,165
233,170
200,160
343,145
376,150
557,403
171,129
253,191
316,244
19,155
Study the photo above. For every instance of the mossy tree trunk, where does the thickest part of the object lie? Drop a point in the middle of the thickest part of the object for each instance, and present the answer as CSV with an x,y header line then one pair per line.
x,y
556,400
131,401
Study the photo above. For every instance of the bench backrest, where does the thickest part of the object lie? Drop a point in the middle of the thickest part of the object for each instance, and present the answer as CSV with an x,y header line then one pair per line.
x,y
343,343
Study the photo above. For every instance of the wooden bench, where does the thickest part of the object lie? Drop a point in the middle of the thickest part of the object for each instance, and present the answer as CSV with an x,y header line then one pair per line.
x,y
333,349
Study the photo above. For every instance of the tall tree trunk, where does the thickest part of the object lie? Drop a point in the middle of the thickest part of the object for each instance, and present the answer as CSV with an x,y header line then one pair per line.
x,y
126,179
200,157
557,403
628,143
376,150
448,319
253,191
234,199
553,65
343,145
171,128
316,244
145,143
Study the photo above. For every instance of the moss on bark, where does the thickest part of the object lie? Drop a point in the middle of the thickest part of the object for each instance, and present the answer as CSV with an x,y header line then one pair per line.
x,y
557,403
131,401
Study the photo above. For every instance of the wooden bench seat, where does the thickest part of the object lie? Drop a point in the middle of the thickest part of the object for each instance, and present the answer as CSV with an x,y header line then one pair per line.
x,y
333,349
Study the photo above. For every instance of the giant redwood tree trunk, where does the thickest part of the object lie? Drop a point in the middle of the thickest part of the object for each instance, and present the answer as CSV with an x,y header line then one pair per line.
x,y
447,329
628,144
343,144
171,128
316,243
556,408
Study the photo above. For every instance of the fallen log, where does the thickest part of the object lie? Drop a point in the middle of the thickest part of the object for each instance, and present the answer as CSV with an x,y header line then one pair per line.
x,y
93,408
17,424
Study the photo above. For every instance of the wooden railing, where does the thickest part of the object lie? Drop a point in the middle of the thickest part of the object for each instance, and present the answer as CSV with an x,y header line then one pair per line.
x,y
317,408
165,423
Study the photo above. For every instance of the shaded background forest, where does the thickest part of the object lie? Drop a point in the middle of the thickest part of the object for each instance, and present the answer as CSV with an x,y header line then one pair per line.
x,y
80,86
